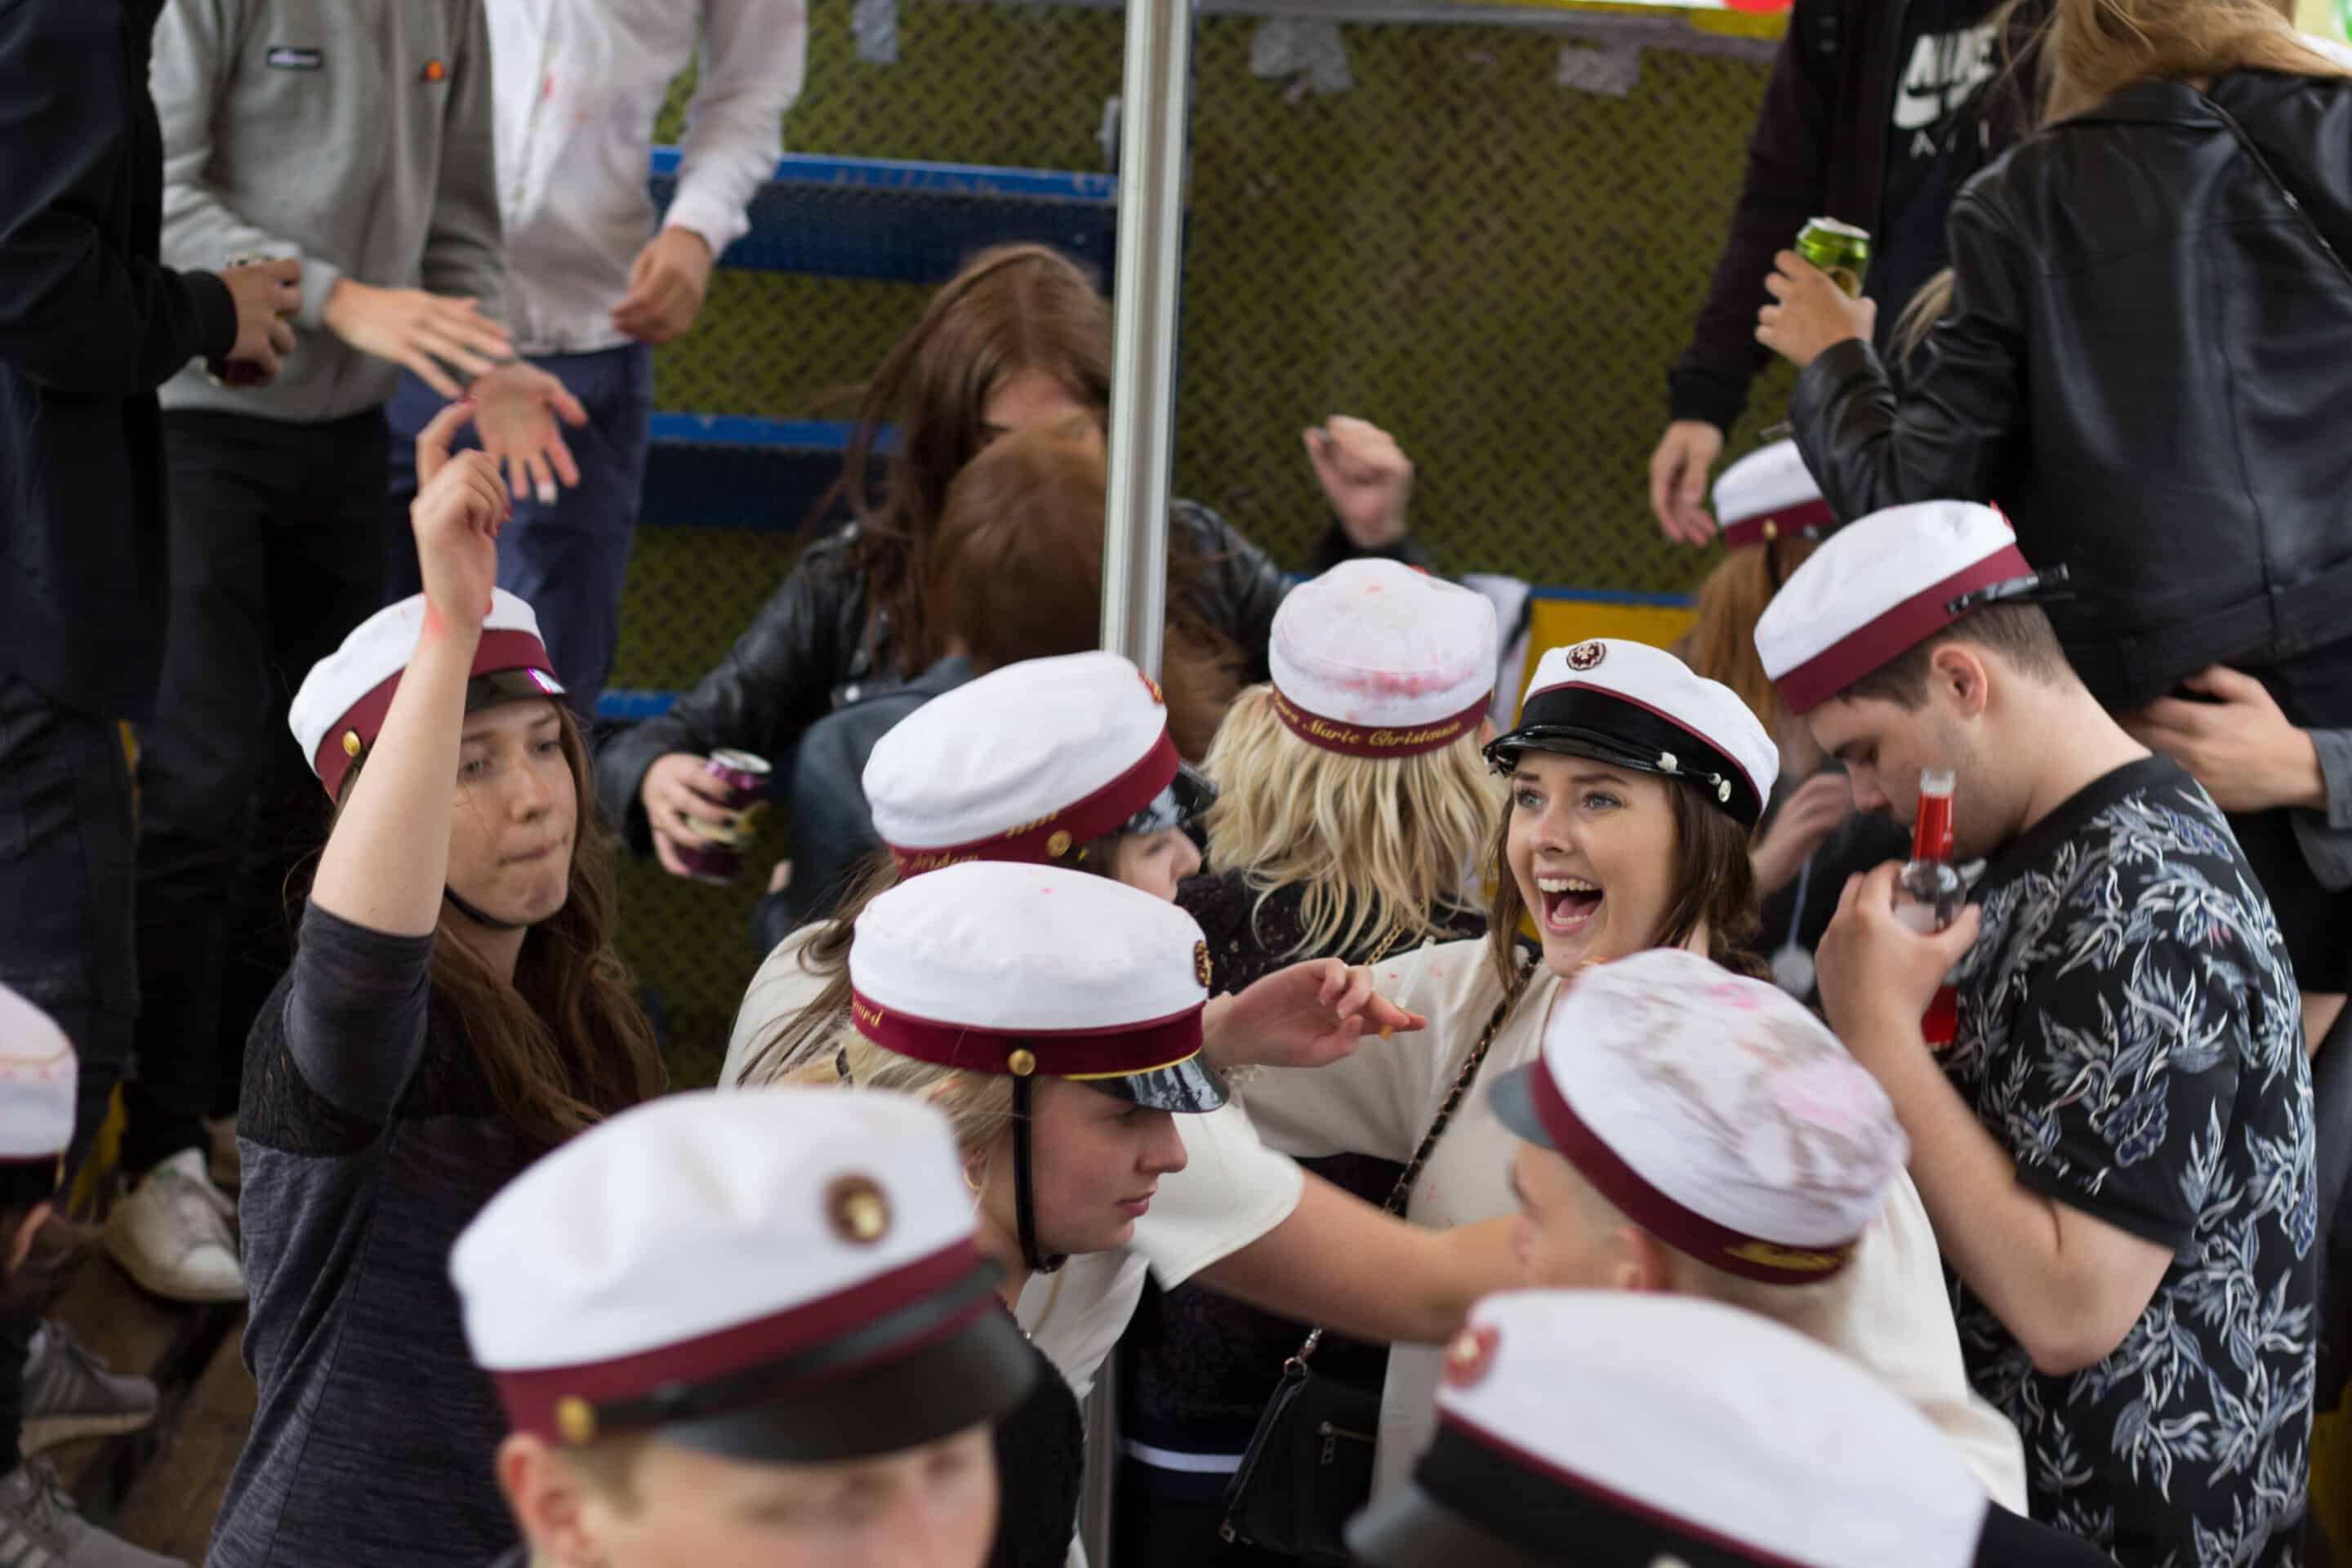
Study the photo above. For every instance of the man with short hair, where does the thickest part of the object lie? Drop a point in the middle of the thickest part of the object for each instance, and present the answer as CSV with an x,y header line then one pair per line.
x,y
2116,1149
1693,1133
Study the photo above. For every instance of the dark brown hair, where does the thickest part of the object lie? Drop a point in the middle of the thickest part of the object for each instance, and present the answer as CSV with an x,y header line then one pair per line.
x,y
1714,887
1012,308
565,1045
2020,634
1015,571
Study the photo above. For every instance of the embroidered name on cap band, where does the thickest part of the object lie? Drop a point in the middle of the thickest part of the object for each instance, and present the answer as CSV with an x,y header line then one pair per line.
x,y
1354,741
1734,1252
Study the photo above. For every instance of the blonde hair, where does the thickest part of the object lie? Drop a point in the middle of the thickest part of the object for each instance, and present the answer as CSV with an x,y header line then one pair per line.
x,y
1380,845
2090,50
1721,642
1816,1311
978,1105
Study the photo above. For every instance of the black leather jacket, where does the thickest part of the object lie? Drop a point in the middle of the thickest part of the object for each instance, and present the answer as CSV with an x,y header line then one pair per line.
x,y
2147,364
811,650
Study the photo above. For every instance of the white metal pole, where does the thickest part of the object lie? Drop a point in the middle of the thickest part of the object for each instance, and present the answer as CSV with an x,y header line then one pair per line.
x,y
1155,101
1153,111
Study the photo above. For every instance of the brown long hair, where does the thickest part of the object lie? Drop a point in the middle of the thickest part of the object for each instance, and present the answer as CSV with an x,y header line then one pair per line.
x,y
2089,50
1012,308
1714,887
1015,571
1721,642
565,1045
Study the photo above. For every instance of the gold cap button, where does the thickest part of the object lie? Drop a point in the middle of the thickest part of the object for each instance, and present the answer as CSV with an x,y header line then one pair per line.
x,y
1021,1063
351,742
575,1421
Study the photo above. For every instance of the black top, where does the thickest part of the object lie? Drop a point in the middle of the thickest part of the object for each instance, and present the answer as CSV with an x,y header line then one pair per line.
x,y
1041,1461
90,324
1822,149
2118,372
1937,137
2129,1032
810,649
370,1139
1203,1364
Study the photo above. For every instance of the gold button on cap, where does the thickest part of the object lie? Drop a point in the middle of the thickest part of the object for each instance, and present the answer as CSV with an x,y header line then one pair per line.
x,y
351,742
1021,1063
1058,845
575,1422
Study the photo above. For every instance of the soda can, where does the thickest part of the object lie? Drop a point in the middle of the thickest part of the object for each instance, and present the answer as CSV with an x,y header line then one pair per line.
x,y
1839,249
719,858
225,372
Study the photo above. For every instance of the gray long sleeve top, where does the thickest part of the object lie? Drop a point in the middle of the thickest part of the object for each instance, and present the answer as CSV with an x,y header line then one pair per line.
x,y
354,134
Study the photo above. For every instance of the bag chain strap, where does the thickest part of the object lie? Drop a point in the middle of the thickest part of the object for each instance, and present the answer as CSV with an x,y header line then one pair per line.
x,y
1402,1190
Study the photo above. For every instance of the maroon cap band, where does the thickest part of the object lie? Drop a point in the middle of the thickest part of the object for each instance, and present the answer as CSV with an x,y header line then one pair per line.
x,y
532,1395
1813,517
502,649
1050,836
1119,1052
1892,632
1357,740
1717,1246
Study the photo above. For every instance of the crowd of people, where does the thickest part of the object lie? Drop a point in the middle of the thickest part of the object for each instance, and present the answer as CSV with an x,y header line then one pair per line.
x,y
1864,1085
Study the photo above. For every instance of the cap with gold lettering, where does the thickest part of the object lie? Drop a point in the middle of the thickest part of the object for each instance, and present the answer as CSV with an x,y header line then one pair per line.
x,y
1028,763
1375,659
785,1276
1032,972
1714,1111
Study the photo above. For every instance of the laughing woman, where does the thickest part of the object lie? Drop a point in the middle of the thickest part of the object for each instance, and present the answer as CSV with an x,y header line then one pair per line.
x,y
1635,787
453,1011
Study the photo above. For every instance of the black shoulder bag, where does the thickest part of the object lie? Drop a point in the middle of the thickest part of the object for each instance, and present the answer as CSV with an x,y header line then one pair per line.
x,y
1308,1467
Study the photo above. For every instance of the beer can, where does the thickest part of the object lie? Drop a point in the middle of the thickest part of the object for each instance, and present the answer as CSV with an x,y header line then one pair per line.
x,y
225,372
1840,249
719,858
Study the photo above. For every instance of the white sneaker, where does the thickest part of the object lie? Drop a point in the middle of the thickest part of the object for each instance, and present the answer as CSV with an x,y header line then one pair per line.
x,y
170,1233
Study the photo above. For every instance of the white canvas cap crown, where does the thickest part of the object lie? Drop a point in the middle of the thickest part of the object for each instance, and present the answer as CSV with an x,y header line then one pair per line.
x,y
1769,482
1391,660
701,1212
39,1072
1043,747
997,945
1876,588
1684,1092
1713,1420
379,648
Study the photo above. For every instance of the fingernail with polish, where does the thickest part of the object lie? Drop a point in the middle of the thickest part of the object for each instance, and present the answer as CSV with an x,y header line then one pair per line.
x,y
547,495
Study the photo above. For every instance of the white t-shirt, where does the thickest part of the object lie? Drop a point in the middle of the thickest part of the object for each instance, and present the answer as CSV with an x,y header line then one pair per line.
x,y
1382,1100
1232,1191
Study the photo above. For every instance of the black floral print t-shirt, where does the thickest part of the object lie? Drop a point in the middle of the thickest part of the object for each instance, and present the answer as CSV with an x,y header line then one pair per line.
x,y
2131,1032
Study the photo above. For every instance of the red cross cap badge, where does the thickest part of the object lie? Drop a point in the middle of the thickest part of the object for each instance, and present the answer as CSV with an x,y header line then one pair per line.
x,y
1586,656
1471,1355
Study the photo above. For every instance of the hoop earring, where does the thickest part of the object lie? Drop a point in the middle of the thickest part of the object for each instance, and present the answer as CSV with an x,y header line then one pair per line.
x,y
971,1186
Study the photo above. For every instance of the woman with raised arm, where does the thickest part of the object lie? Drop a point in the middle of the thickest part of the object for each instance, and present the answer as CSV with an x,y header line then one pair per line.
x,y
454,1009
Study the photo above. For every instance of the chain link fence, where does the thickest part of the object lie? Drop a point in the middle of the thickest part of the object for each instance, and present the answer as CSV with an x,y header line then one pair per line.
x,y
1496,267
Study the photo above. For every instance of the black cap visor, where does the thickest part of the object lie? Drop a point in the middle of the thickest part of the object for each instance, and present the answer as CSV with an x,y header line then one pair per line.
x,y
972,1374
1410,1529
1187,1088
1186,799
1513,1097
510,686
1697,765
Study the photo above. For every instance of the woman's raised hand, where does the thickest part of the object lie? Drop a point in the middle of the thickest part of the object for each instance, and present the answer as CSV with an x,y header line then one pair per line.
x,y
460,506
1308,1016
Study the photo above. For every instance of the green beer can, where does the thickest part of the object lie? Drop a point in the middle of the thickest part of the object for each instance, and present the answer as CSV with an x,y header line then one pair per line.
x,y
1839,249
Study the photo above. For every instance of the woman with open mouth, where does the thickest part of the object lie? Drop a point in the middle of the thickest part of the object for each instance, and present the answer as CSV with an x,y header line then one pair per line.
x,y
1634,791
